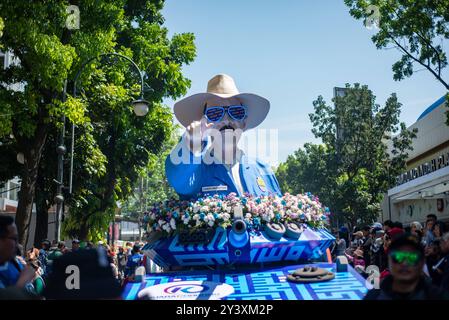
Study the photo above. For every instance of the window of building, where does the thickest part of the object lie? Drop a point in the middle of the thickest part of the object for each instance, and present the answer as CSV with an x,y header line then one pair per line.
x,y
3,190
14,191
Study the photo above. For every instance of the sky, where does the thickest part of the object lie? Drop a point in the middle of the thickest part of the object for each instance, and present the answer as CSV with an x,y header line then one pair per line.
x,y
290,52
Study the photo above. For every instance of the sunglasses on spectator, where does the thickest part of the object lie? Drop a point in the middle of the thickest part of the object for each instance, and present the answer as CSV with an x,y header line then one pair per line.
x,y
410,258
216,114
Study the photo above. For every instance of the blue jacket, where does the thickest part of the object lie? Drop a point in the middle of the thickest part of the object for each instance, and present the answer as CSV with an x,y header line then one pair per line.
x,y
197,178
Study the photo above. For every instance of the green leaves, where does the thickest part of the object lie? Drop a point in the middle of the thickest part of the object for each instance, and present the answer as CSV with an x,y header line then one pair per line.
x,y
416,28
112,145
352,169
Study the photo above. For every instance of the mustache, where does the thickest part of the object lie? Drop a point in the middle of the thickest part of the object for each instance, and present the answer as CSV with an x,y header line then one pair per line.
x,y
227,127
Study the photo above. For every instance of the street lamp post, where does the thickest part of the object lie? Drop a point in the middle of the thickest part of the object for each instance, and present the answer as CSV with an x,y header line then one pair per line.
x,y
60,150
140,107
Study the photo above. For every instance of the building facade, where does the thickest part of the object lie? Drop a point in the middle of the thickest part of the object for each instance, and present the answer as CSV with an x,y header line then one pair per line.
x,y
423,188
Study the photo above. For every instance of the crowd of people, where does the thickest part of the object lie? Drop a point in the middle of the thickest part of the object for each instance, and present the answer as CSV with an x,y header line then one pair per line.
x,y
409,262
37,272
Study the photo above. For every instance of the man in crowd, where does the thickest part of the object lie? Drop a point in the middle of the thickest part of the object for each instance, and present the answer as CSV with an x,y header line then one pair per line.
x,y
43,255
75,245
388,224
55,253
134,261
12,273
406,281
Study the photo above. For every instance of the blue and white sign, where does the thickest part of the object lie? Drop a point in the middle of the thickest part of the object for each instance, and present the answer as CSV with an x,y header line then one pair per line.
x,y
187,290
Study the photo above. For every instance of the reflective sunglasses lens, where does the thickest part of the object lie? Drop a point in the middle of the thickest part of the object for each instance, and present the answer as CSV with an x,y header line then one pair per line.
x,y
214,114
411,258
237,112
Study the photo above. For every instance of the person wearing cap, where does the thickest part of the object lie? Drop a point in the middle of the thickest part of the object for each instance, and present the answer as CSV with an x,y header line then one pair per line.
x,y
377,251
207,160
406,280
358,239
356,259
377,225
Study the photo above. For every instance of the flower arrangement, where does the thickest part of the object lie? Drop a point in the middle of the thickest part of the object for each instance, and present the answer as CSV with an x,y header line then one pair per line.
x,y
172,216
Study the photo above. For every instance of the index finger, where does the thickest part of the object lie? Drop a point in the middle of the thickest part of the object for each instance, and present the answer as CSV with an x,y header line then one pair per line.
x,y
204,124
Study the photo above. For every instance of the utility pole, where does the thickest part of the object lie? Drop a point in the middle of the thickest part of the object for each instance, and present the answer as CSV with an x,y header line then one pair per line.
x,y
60,150
141,208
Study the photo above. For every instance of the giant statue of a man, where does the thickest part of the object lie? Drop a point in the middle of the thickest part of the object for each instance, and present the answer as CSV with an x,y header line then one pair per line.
x,y
207,160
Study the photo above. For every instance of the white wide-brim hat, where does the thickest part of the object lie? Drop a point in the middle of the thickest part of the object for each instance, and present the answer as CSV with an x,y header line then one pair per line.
x,y
191,108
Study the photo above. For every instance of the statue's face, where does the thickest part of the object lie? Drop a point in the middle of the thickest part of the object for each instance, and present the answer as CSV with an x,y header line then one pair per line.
x,y
226,122
227,131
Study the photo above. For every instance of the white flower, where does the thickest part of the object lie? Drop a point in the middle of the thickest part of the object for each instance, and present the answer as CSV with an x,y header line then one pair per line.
x,y
198,222
173,223
205,209
248,216
166,227
211,223
226,216
210,217
196,217
186,220
161,222
196,208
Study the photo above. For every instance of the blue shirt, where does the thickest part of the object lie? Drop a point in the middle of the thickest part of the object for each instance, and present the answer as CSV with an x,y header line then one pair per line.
x,y
9,273
198,177
134,261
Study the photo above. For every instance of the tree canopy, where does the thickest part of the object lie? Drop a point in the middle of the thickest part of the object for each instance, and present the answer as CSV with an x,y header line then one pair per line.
x,y
359,157
111,143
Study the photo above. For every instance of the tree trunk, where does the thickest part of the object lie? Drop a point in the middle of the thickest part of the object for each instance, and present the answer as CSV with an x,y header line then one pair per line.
x,y
32,150
41,231
83,231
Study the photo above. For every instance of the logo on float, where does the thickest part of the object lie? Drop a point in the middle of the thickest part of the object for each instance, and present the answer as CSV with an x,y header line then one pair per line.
x,y
186,288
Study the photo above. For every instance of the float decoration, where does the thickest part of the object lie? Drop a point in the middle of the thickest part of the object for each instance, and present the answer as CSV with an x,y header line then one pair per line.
x,y
273,214
221,230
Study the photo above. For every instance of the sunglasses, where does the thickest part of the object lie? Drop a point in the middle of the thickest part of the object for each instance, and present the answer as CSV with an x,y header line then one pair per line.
x,y
215,114
410,258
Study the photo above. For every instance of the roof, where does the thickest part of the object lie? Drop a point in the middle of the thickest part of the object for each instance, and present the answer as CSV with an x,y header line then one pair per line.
x,y
435,105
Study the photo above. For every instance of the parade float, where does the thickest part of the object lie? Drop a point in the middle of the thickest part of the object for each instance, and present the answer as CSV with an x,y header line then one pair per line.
x,y
227,230
238,237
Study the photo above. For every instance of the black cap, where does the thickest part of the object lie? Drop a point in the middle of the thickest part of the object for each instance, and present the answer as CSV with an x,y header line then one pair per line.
x,y
406,240
75,241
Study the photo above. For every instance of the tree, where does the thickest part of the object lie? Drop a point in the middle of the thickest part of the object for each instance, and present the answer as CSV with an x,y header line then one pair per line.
x,y
152,186
49,53
353,168
307,170
416,28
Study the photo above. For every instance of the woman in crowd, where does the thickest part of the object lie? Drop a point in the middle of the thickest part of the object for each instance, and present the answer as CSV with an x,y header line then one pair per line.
x,y
438,229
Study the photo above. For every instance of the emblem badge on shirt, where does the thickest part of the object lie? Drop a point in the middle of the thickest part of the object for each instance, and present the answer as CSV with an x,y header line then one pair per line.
x,y
214,188
261,184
